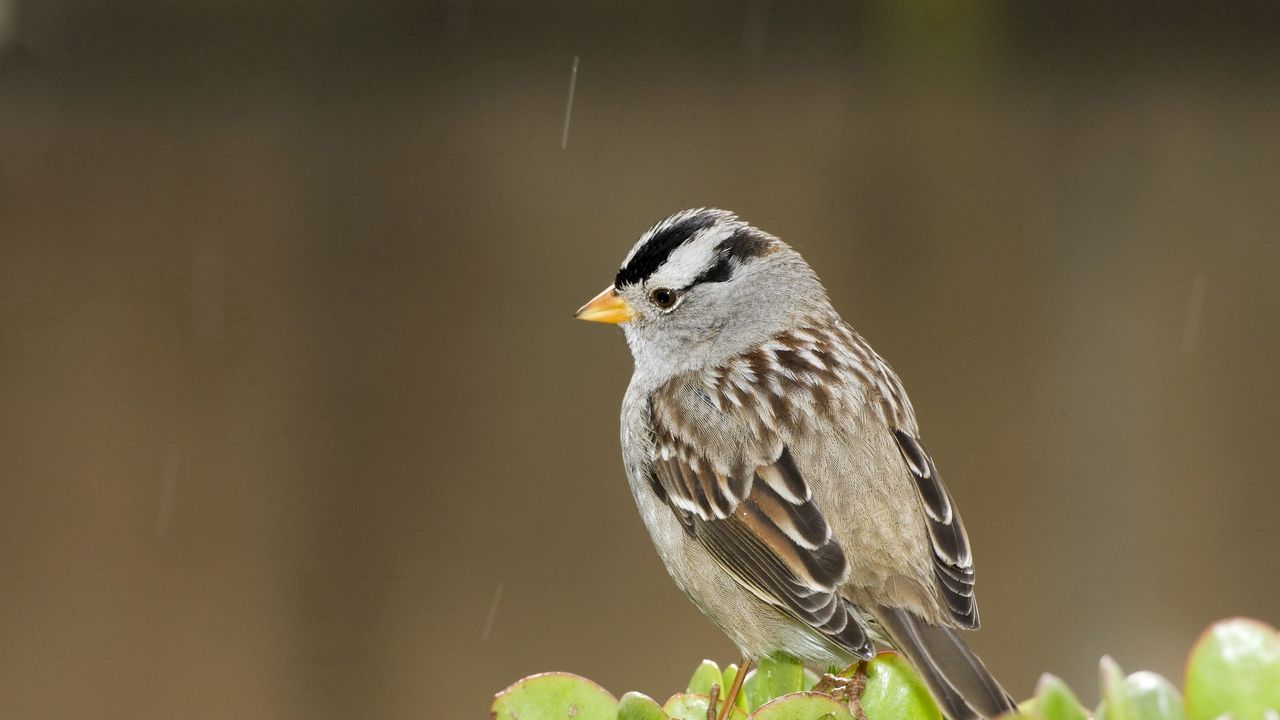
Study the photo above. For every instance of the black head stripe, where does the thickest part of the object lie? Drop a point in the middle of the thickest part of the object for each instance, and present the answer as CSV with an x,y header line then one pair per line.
x,y
659,247
721,271
732,252
747,243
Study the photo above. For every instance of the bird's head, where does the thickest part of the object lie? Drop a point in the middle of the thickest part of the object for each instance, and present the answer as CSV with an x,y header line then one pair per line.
x,y
703,286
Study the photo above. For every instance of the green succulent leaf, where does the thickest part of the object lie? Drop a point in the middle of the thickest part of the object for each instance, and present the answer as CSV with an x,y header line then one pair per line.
x,y
1110,680
687,706
776,676
1233,673
895,692
803,706
1055,701
811,678
554,696
1234,669
1153,697
638,706
1140,696
752,691
707,674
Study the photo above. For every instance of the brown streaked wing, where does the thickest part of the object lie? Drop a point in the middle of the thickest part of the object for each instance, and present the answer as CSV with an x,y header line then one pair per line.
x,y
952,559
766,532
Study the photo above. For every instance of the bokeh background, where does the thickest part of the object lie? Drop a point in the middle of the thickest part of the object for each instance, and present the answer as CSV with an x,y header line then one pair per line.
x,y
294,422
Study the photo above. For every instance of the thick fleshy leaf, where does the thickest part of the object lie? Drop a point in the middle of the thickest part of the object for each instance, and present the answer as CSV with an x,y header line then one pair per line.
x,y
1111,680
687,706
1140,696
776,676
802,706
1055,701
752,691
1153,697
1234,669
554,696
707,674
638,706
895,692
811,678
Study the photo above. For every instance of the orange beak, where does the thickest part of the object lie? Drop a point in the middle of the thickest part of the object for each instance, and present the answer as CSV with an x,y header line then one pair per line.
x,y
607,307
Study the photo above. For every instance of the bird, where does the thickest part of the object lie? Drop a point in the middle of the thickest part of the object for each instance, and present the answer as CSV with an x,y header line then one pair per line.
x,y
777,463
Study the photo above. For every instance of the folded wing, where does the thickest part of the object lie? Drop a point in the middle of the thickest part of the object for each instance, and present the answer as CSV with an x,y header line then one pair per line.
x,y
762,527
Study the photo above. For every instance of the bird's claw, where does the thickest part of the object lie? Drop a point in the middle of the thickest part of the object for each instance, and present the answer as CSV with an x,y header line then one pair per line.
x,y
846,689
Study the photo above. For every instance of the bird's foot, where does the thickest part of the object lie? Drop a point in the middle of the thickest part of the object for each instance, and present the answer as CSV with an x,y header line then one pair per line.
x,y
846,687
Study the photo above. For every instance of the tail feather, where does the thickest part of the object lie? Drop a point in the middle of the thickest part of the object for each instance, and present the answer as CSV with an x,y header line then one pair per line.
x,y
959,682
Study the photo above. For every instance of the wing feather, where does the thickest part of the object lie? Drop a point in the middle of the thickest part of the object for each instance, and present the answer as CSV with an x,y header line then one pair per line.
x,y
761,525
952,558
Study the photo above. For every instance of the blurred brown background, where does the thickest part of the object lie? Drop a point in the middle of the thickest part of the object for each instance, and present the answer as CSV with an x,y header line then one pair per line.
x,y
295,424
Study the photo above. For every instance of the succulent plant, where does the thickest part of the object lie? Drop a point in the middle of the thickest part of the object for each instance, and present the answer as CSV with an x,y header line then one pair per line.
x,y
1233,671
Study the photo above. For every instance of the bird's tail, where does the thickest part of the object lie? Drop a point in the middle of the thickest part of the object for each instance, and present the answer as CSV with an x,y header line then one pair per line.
x,y
958,680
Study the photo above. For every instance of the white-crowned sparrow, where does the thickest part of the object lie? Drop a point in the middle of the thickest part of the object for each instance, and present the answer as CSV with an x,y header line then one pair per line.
x,y
776,462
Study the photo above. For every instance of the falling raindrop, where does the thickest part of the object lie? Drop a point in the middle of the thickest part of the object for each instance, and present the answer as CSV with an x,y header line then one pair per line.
x,y
493,611
568,108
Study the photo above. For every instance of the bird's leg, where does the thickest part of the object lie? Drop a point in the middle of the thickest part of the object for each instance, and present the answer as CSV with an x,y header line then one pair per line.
x,y
731,698
711,701
846,687
833,682
853,691
840,685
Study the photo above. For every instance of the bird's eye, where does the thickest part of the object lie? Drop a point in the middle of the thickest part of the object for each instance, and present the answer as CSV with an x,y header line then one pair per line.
x,y
663,298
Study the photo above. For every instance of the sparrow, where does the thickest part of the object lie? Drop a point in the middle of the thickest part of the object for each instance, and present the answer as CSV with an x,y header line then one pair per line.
x,y
777,463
